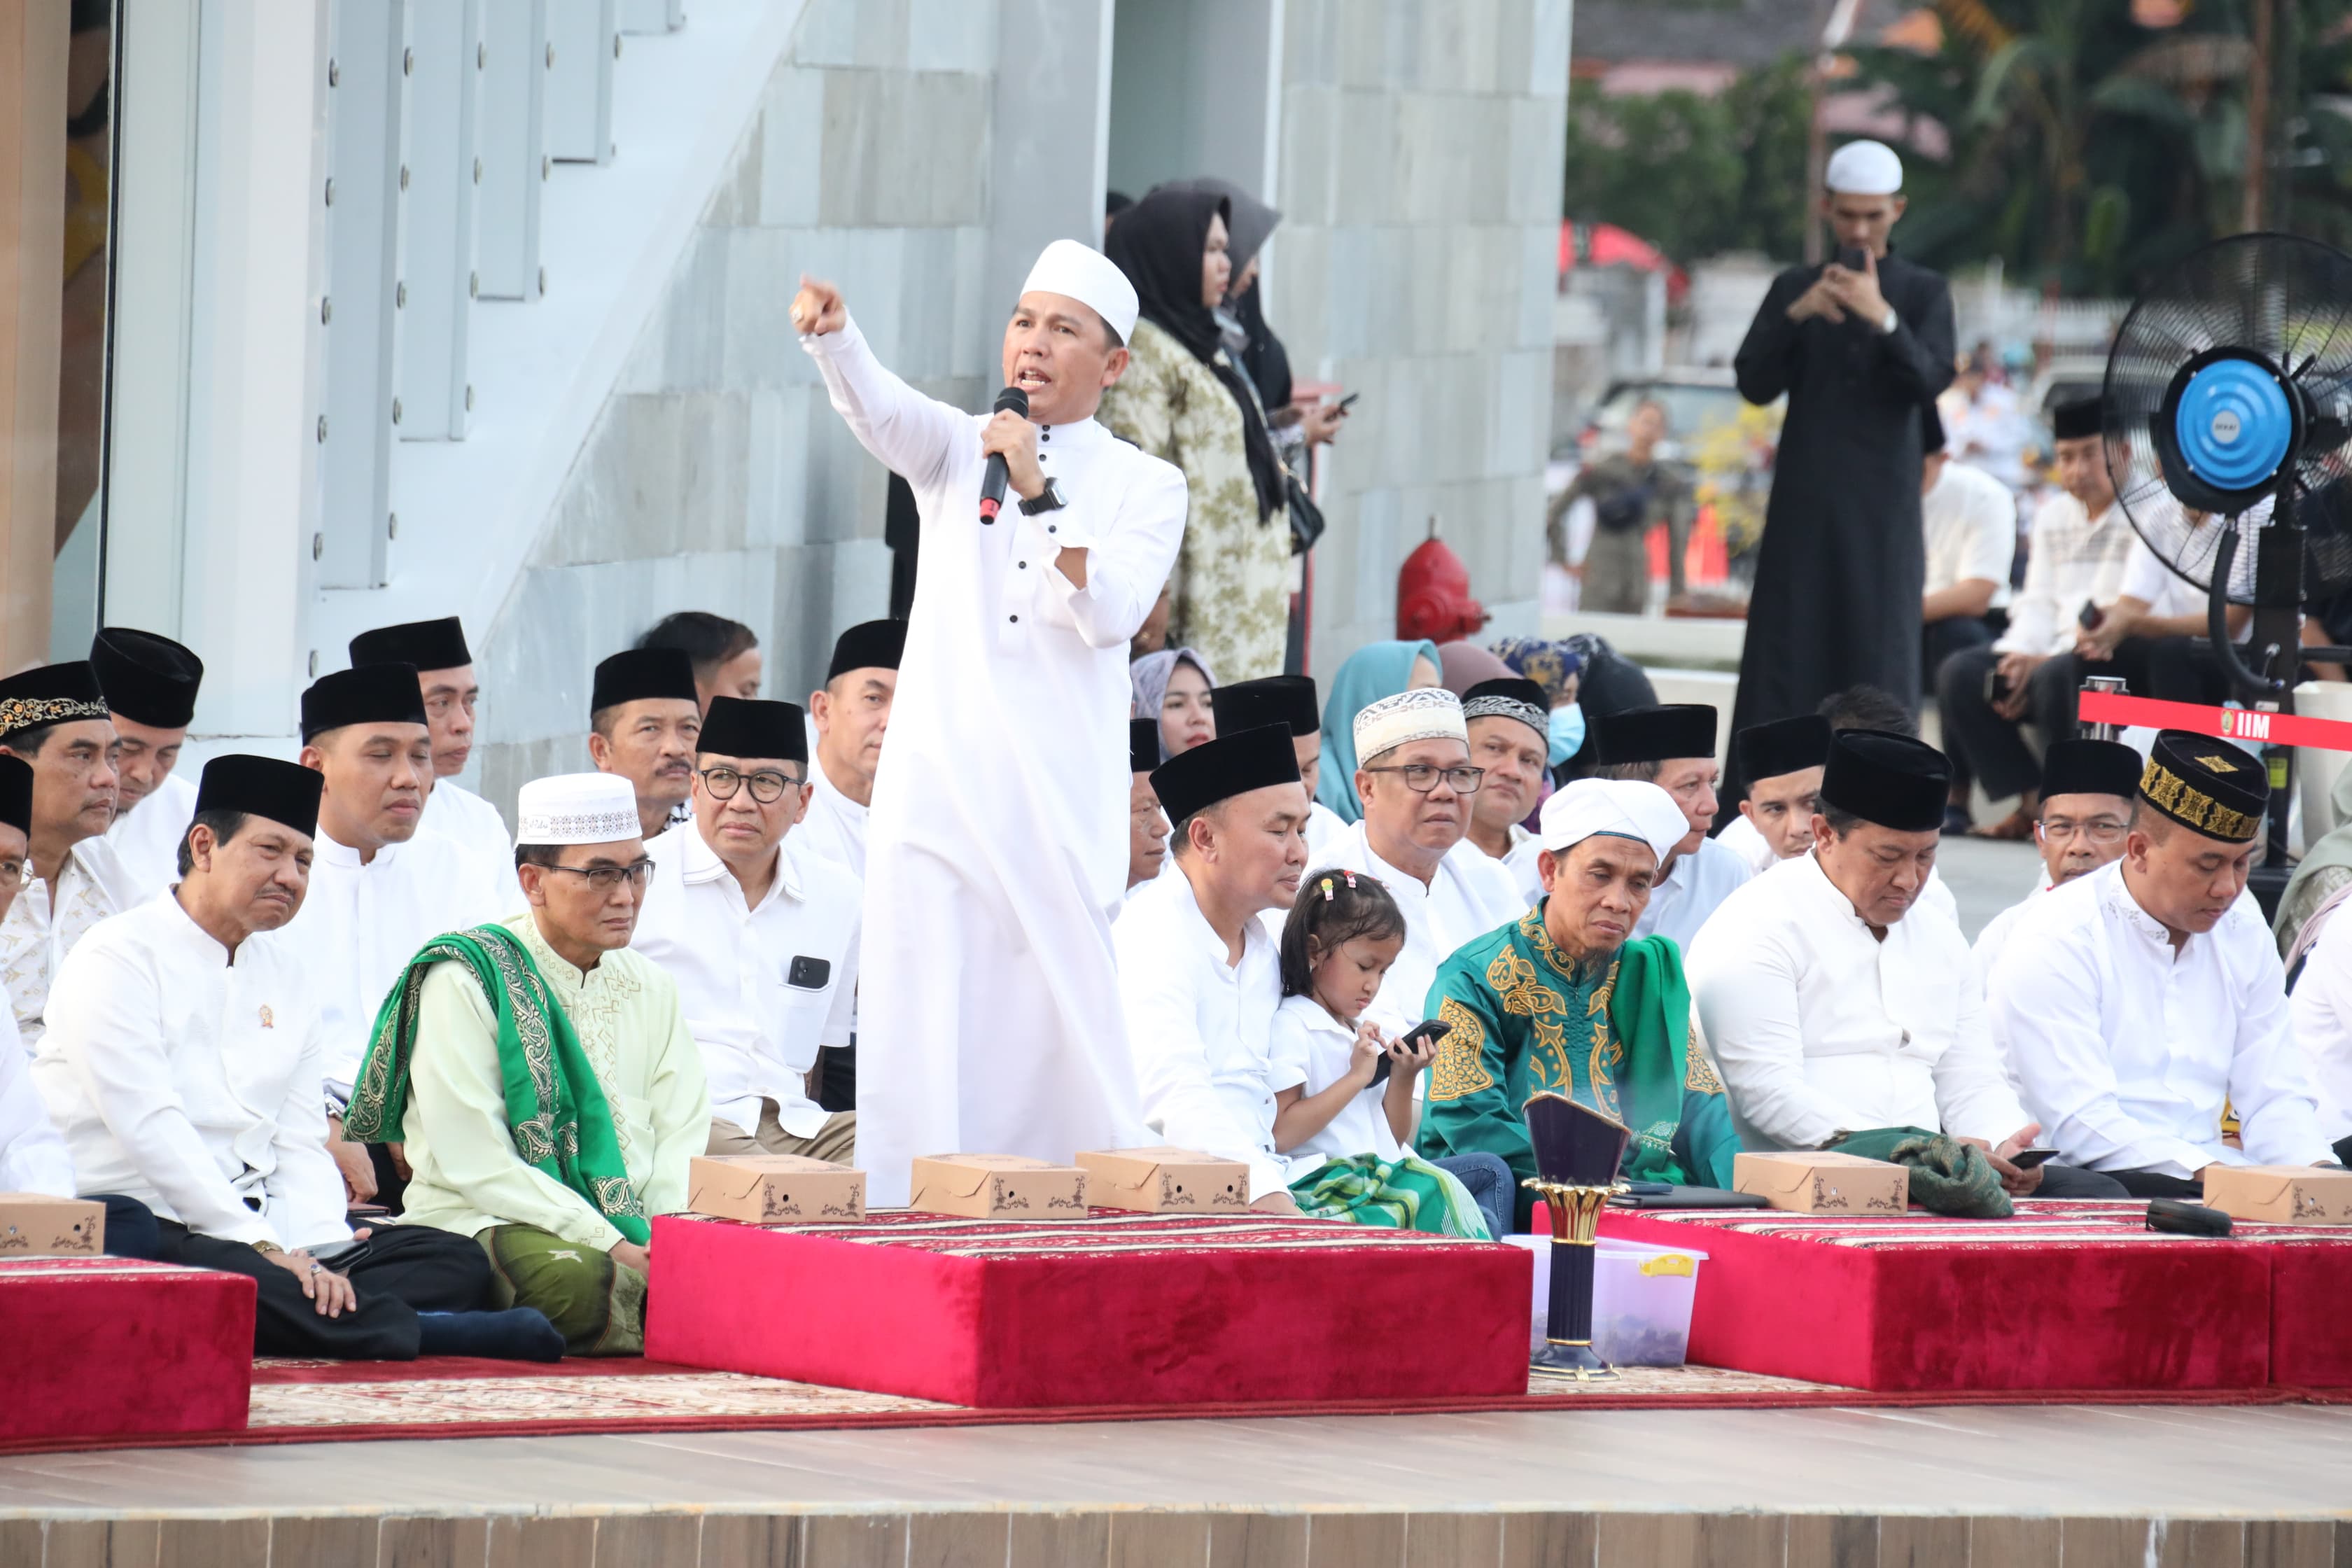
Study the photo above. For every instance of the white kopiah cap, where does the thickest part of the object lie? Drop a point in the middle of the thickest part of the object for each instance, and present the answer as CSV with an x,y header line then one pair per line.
x,y
1086,275
1627,807
1424,714
1864,169
576,808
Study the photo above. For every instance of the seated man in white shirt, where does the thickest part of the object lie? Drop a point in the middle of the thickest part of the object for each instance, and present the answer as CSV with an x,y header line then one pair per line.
x,y
151,686
1510,736
760,934
1673,746
2086,804
379,888
1969,520
2075,558
1416,780
55,718
182,1064
1781,762
2135,1002
2148,636
642,716
445,673
1835,1002
1146,825
1200,977
1285,699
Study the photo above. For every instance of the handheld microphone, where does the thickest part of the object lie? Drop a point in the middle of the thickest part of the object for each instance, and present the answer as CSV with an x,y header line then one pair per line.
x,y
992,477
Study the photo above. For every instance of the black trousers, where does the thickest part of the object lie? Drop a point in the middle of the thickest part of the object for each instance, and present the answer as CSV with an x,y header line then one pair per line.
x,y
399,1271
2073,1182
1939,640
837,1084
2157,1185
1992,747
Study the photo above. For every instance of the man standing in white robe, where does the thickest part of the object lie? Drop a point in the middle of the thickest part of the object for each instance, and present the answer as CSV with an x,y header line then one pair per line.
x,y
445,672
989,1015
151,685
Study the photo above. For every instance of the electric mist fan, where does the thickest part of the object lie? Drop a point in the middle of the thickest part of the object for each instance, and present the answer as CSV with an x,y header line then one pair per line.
x,y
2229,410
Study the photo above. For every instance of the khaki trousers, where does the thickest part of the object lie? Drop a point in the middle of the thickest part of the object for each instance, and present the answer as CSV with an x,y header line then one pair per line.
x,y
836,1140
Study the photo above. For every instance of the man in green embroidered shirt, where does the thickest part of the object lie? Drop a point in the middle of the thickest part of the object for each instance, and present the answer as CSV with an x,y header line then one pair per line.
x,y
543,1077
1567,999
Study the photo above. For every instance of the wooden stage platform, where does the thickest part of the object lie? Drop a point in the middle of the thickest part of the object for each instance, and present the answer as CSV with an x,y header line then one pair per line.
x,y
2069,1487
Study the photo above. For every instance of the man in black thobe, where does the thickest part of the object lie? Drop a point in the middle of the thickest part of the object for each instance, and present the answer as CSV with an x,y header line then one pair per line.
x,y
1861,353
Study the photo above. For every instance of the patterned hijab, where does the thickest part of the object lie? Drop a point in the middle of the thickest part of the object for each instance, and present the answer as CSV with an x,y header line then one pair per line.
x,y
1547,664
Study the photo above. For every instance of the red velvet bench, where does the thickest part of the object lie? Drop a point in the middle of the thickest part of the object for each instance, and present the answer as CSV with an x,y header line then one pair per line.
x,y
108,1347
1117,1308
2067,1295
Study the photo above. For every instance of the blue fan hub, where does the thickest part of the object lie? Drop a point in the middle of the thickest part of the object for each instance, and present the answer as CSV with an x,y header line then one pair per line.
x,y
2234,423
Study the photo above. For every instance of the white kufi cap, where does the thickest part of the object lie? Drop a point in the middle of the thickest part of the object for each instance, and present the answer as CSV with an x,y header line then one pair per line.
x,y
1626,807
576,808
1093,280
1864,169
1424,714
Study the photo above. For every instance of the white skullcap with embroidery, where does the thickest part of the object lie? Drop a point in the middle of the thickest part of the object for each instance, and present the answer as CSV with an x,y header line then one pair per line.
x,y
1626,807
1082,273
1863,169
576,808
1424,714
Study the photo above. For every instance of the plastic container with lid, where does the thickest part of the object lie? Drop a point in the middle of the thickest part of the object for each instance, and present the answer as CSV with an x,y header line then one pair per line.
x,y
1642,1300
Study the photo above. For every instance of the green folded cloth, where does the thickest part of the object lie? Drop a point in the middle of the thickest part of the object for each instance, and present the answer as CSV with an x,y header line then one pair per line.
x,y
1947,1176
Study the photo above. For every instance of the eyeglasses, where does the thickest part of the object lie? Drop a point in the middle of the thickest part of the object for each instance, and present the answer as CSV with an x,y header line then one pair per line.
x,y
768,786
1421,777
2097,829
606,878
17,871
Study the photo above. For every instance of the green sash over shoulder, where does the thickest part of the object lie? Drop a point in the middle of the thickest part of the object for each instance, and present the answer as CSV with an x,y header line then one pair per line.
x,y
556,1108
1651,1011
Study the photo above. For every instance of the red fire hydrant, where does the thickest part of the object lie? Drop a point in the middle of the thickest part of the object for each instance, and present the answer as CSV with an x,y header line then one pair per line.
x,y
1434,595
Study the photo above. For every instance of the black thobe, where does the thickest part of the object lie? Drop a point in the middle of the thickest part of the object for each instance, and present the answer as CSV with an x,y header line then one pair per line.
x,y
1841,565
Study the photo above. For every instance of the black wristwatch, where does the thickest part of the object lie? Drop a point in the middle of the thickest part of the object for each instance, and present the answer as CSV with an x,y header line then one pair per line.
x,y
1047,499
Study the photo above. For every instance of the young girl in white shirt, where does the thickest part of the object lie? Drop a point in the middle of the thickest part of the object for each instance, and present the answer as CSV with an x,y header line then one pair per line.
x,y
1344,1129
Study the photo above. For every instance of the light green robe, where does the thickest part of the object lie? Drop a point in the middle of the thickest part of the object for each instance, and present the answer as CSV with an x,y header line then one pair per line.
x,y
469,1177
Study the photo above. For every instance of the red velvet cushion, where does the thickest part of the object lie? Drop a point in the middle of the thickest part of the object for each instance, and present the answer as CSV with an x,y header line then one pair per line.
x,y
103,1347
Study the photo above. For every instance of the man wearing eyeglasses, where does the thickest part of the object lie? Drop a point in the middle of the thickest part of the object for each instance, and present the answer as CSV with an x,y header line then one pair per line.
x,y
2085,813
1417,782
543,1076
1672,745
760,931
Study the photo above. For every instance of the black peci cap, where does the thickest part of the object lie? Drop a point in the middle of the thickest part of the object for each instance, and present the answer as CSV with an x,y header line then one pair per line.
x,y
871,645
1221,769
644,674
1655,734
17,795
1269,699
1143,745
1508,696
51,694
263,786
2090,767
1782,746
427,645
2075,421
365,694
1888,779
2206,785
746,727
148,679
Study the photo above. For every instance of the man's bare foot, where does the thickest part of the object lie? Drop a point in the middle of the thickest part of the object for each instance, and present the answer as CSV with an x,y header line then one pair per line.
x,y
2017,825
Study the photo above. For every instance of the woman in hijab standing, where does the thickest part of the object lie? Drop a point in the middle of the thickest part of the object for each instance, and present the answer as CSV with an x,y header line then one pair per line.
x,y
1183,400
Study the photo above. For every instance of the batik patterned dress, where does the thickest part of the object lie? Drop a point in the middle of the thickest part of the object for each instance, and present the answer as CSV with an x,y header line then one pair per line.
x,y
1231,583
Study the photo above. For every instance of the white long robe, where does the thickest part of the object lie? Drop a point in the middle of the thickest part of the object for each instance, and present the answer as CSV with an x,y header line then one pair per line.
x,y
146,839
835,827
475,826
988,1014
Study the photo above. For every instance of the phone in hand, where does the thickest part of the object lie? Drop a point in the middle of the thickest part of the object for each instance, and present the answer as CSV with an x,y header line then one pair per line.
x,y
1851,258
1426,1033
1996,687
2027,1159
1347,400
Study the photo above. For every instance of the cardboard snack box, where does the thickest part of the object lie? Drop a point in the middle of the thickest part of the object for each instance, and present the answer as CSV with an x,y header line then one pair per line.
x,y
1166,1181
35,1225
1809,1181
774,1189
2281,1195
998,1186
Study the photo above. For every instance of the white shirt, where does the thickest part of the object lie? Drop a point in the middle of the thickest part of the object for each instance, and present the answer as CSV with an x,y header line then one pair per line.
x,y
33,1157
1986,952
1755,851
2128,1051
997,847
2071,561
1520,862
35,938
2161,589
146,838
189,1078
835,827
1818,1028
1315,1050
1970,522
474,825
1200,1028
361,924
1471,895
2321,1009
1691,891
763,988
1325,828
